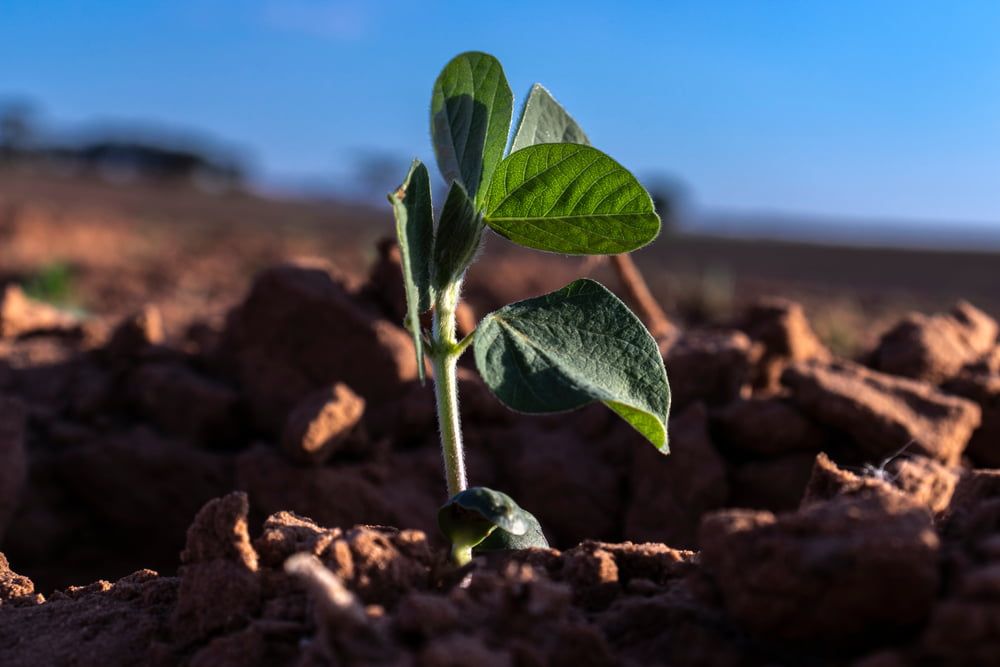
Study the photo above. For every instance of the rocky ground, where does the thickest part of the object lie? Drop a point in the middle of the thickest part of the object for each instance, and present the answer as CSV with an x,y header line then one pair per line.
x,y
174,436
814,510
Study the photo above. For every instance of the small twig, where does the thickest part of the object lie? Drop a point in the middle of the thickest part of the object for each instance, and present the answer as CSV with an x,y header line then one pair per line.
x,y
347,635
640,296
335,602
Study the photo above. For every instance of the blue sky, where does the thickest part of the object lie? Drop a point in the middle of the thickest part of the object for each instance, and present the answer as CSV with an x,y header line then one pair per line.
x,y
873,109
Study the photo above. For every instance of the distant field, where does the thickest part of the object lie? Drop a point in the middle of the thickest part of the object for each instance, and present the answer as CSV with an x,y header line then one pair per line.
x,y
194,253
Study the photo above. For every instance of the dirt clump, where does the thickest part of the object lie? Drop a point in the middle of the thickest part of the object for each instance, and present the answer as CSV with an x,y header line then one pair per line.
x,y
322,424
975,507
219,588
12,585
962,629
776,484
828,480
20,315
989,363
781,327
766,426
574,492
924,481
89,507
300,330
339,495
934,348
670,493
181,401
844,570
714,367
883,413
984,389
137,333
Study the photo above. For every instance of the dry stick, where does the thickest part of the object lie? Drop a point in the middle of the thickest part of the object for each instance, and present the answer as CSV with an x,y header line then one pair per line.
x,y
344,626
640,296
335,601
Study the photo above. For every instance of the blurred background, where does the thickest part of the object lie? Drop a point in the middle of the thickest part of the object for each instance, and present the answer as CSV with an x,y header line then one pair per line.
x,y
845,154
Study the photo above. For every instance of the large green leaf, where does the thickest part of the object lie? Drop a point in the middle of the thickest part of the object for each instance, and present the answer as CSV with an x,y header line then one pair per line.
x,y
574,346
571,199
411,205
545,121
471,109
458,234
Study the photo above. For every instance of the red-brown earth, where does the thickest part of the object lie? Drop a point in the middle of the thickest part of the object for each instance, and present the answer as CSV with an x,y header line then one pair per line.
x,y
255,466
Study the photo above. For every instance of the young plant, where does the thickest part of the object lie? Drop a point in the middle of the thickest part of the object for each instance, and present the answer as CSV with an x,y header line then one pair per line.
x,y
550,191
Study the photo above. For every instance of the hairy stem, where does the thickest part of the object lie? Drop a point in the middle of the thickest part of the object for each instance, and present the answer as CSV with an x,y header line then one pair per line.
x,y
444,355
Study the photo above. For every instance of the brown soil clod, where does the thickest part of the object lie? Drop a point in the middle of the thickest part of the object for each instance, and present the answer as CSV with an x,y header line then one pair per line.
x,y
935,348
984,389
137,333
883,413
781,327
322,424
923,480
842,571
299,330
20,315
714,367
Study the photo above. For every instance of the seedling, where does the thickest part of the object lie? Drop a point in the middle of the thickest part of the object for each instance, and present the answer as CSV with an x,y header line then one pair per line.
x,y
549,191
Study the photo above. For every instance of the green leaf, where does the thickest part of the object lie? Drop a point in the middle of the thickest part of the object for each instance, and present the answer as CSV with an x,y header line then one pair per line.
x,y
487,520
501,540
459,232
545,121
571,347
471,109
495,507
411,205
571,199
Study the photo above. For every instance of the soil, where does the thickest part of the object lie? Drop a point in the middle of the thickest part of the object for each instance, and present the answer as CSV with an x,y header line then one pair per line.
x,y
229,460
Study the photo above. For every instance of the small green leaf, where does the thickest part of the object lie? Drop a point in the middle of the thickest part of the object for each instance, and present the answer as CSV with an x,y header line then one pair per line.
x,y
501,540
471,109
571,199
487,520
571,347
459,232
411,205
496,507
545,121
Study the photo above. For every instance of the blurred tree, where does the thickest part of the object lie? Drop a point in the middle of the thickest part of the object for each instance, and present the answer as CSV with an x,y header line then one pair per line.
x,y
377,173
126,160
17,127
669,197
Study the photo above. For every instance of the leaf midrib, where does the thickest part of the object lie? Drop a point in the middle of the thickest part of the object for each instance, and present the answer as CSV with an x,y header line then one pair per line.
x,y
508,193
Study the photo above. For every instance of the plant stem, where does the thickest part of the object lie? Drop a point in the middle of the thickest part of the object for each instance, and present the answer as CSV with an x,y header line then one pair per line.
x,y
461,555
444,355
